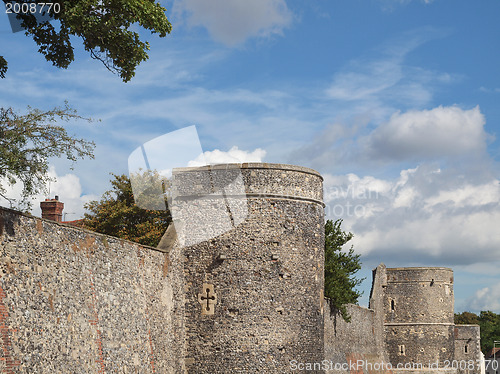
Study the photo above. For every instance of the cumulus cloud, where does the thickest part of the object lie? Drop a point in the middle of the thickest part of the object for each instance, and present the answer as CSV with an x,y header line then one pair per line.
x,y
466,196
487,298
426,215
234,155
424,134
443,133
67,187
232,22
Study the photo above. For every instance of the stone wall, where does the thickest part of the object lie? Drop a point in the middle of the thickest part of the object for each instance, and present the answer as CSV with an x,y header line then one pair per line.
x,y
409,324
377,304
353,345
419,315
236,288
73,301
467,349
254,293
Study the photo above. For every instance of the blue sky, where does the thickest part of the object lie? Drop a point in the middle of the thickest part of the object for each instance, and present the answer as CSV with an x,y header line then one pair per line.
x,y
394,102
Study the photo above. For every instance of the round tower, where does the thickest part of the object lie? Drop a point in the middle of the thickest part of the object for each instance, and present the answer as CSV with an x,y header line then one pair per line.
x,y
253,268
419,316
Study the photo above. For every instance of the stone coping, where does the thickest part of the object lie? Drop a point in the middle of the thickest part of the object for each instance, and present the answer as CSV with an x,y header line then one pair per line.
x,y
261,195
252,165
467,325
420,268
418,323
29,215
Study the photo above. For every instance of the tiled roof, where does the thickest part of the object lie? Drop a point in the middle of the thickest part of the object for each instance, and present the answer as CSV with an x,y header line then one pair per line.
x,y
76,223
494,351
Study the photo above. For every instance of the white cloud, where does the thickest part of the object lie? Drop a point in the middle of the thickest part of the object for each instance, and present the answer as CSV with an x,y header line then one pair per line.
x,y
232,22
352,186
405,197
365,80
424,134
467,196
450,133
385,78
351,197
407,1
67,187
390,4
234,155
487,298
427,215
489,90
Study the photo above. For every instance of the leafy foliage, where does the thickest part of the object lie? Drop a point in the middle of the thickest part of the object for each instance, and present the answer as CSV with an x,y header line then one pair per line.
x,y
105,27
340,267
466,318
3,67
489,324
26,143
150,189
118,215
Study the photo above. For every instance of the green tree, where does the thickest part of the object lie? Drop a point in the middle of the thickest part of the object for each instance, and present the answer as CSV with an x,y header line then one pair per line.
x,y
116,214
466,318
340,269
26,143
105,26
3,67
489,323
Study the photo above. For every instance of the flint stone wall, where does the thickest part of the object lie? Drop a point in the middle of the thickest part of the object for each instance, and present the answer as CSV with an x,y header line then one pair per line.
x,y
467,348
353,345
73,301
269,284
419,322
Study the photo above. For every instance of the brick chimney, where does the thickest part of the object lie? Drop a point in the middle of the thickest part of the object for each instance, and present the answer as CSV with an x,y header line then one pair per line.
x,y
52,209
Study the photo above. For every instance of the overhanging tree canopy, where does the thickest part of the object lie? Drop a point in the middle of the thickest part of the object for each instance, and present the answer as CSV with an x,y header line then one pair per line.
x,y
26,143
105,28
